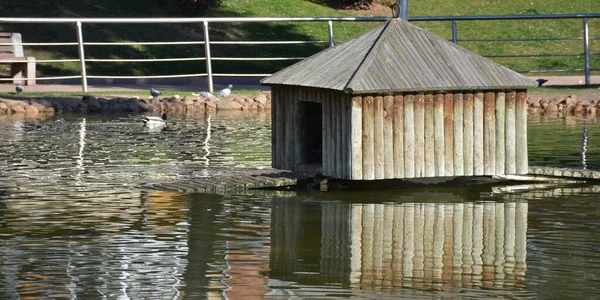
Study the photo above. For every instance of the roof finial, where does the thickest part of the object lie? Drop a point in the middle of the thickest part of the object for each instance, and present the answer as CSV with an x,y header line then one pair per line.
x,y
400,10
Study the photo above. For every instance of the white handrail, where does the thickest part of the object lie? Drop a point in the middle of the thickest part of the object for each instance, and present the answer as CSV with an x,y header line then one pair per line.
x,y
207,42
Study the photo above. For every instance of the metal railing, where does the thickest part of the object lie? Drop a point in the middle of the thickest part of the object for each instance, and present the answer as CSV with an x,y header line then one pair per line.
x,y
331,41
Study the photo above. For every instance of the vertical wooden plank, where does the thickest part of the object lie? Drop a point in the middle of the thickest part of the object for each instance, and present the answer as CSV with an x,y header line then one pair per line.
x,y
281,125
357,138
449,134
274,108
409,137
521,132
300,131
336,117
419,100
478,134
511,100
500,145
489,134
388,136
468,134
290,120
459,164
438,129
399,136
378,141
331,135
345,103
326,140
368,139
429,137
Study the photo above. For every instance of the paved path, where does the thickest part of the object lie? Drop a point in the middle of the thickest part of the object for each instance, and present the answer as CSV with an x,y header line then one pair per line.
x,y
244,83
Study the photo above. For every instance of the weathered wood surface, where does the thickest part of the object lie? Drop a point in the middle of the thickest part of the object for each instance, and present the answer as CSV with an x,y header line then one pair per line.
x,y
368,139
500,136
521,133
478,134
378,140
388,136
449,134
357,138
458,134
399,136
511,98
232,179
409,137
438,129
429,137
489,135
419,124
468,134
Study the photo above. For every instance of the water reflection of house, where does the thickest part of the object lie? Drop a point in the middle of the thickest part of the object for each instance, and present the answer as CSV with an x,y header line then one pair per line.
x,y
440,246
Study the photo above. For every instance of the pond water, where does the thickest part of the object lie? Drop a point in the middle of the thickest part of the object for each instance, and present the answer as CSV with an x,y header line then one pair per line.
x,y
77,221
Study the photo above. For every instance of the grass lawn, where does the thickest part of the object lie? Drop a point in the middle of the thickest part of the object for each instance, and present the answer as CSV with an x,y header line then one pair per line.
x,y
467,30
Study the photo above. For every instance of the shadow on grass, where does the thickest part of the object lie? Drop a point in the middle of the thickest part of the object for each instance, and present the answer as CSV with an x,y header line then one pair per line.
x,y
44,33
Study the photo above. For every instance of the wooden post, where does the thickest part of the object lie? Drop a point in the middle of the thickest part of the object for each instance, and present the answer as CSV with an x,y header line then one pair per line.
x,y
438,125
275,95
399,136
378,141
337,118
290,121
478,134
326,168
489,134
429,137
388,136
459,169
511,100
468,133
368,139
357,138
409,137
500,138
300,130
419,105
521,132
449,134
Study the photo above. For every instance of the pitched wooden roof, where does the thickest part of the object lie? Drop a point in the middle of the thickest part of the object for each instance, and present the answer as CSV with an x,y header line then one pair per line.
x,y
395,57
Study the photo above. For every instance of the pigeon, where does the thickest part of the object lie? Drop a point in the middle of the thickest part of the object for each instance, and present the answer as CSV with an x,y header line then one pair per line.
x,y
226,91
541,81
155,93
206,94
19,88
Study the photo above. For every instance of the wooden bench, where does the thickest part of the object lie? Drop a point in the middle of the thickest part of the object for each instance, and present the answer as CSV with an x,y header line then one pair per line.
x,y
11,52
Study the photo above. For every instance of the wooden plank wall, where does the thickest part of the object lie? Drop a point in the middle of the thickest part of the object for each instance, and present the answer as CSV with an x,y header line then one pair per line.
x,y
407,135
439,134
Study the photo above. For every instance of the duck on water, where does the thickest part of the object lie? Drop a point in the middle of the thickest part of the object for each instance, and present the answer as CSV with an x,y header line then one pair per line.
x,y
150,121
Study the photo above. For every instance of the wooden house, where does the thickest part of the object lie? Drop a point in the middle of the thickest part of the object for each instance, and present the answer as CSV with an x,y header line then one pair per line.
x,y
399,102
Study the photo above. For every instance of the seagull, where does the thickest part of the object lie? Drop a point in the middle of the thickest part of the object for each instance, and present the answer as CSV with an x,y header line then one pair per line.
x,y
19,88
225,92
155,121
155,93
541,81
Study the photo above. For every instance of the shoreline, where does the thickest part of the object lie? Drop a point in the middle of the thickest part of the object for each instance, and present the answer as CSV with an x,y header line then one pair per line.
x,y
566,104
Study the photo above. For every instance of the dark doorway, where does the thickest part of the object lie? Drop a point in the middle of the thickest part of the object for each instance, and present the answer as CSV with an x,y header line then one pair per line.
x,y
312,133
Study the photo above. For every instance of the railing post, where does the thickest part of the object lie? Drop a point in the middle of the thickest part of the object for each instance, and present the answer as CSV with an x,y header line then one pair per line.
x,y
82,58
207,55
454,34
586,50
331,40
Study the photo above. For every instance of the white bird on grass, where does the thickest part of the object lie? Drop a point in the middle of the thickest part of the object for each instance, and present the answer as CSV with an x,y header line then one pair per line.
x,y
150,121
226,91
205,94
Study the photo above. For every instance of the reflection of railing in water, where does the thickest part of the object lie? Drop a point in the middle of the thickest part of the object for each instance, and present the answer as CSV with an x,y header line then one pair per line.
x,y
440,246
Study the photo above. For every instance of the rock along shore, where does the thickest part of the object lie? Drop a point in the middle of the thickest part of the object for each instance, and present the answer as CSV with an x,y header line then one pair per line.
x,y
548,104
134,104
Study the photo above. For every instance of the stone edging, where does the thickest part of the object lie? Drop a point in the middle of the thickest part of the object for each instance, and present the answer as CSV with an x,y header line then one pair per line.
x,y
175,104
